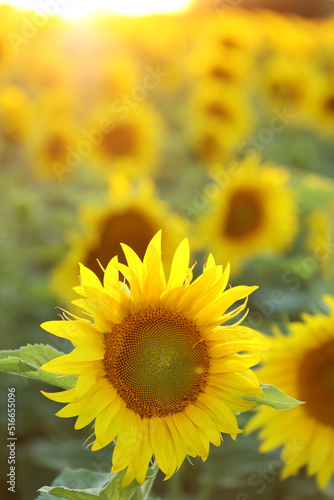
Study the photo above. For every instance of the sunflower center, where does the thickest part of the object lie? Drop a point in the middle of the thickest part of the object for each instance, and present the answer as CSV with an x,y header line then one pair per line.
x,y
244,215
222,73
120,141
157,360
218,110
56,147
287,91
317,383
329,104
208,148
131,227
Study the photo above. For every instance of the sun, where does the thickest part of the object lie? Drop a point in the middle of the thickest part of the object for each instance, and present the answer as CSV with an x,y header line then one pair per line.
x,y
76,10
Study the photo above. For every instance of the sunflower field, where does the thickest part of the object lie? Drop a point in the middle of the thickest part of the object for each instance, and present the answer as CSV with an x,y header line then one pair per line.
x,y
167,192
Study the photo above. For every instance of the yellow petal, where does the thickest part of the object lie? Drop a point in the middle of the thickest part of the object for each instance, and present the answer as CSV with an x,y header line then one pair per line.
x,y
180,264
219,412
192,435
109,423
204,421
128,441
61,396
141,461
75,331
133,261
89,278
163,446
128,478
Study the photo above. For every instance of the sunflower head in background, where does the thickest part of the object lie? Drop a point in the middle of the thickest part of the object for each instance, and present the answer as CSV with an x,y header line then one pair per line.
x,y
156,369
125,138
132,214
253,212
303,364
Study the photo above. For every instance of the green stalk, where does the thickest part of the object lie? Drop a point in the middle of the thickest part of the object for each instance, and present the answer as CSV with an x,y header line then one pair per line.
x,y
146,488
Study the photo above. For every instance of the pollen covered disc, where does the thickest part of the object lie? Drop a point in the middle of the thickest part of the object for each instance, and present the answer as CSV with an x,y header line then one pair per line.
x,y
157,360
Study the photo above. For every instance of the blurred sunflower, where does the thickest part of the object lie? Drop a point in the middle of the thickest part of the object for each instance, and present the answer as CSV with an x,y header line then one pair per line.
x,y
287,82
218,117
14,113
321,106
119,74
206,141
320,239
126,139
53,147
254,212
302,363
235,33
132,214
220,64
300,36
156,369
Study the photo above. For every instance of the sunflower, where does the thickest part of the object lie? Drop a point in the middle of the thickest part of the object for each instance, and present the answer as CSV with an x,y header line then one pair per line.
x,y
320,225
219,116
230,29
156,369
14,113
321,106
207,142
220,64
253,212
53,148
302,363
287,82
128,138
132,214
300,36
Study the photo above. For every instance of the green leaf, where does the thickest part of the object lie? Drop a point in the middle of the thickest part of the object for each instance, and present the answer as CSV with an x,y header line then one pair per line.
x,y
27,362
83,484
274,397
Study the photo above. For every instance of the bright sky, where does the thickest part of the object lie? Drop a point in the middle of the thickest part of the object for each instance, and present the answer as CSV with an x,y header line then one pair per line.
x,y
73,9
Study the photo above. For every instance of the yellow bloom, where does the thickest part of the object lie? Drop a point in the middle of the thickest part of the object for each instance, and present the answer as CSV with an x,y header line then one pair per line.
x,y
287,82
220,64
253,212
14,113
300,35
208,143
320,238
53,147
302,364
233,31
132,214
125,139
156,369
321,105
219,116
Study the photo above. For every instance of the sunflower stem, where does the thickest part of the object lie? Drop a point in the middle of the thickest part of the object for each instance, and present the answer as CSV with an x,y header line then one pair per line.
x,y
146,488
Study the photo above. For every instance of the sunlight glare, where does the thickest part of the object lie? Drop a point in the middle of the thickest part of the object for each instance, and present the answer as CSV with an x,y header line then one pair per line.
x,y
75,9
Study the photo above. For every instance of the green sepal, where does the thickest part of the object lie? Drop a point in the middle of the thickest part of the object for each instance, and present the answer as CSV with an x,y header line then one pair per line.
x,y
274,397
